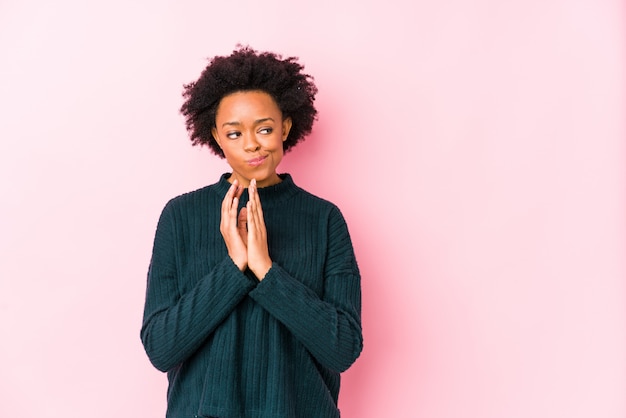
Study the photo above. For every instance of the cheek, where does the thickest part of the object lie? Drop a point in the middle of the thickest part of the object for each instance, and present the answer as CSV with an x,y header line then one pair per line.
x,y
229,153
279,155
278,143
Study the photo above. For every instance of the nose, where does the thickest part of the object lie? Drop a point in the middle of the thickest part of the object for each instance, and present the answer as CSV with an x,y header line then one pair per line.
x,y
250,143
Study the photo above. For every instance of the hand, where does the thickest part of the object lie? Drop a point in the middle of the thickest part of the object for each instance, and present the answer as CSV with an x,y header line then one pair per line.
x,y
233,227
259,260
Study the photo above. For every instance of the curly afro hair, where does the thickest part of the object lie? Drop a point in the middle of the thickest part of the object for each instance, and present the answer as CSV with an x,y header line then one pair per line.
x,y
247,70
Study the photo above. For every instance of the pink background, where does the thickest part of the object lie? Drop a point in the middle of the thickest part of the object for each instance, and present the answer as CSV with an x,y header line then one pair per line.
x,y
475,148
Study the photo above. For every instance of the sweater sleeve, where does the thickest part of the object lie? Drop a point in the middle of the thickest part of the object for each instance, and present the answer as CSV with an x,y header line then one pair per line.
x,y
328,326
174,324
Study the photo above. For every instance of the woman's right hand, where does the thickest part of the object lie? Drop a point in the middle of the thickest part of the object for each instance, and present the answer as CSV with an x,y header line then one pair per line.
x,y
233,226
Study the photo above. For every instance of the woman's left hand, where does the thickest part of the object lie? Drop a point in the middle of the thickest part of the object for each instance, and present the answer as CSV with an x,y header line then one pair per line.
x,y
259,261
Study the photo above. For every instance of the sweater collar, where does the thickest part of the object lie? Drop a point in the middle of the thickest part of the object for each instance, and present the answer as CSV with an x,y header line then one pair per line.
x,y
270,195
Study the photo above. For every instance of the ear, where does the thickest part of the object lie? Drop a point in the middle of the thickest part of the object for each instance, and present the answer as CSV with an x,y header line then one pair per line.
x,y
286,127
216,137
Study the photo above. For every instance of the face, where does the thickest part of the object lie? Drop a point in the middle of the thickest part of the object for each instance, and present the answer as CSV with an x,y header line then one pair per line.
x,y
250,130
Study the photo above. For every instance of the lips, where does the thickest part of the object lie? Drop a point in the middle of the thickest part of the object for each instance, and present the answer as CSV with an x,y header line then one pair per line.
x,y
256,161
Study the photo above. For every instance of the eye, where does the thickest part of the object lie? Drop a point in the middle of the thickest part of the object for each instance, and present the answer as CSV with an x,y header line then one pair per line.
x,y
233,134
266,131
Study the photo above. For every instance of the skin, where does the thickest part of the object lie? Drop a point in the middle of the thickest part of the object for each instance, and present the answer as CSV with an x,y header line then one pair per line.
x,y
250,130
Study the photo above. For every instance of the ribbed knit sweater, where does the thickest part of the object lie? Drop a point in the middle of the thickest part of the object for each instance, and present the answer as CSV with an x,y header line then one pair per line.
x,y
233,346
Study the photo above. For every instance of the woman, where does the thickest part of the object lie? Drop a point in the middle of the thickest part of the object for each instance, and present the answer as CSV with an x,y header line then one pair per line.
x,y
253,303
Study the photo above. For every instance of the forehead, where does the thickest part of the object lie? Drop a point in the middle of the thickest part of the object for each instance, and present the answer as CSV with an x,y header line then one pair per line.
x,y
242,103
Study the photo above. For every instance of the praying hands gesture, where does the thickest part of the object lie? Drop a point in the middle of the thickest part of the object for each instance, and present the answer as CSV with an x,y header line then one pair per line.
x,y
244,233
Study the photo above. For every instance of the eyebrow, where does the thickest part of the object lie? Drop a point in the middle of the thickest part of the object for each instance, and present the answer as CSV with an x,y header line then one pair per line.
x,y
256,122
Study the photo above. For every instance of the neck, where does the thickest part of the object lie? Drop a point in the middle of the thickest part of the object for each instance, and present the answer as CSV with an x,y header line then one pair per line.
x,y
245,182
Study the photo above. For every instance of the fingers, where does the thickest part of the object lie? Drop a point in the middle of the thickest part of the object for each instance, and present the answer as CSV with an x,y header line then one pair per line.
x,y
244,233
256,201
255,214
231,200
258,254
234,240
242,224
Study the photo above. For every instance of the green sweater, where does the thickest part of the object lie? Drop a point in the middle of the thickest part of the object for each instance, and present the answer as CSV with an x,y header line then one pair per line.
x,y
236,347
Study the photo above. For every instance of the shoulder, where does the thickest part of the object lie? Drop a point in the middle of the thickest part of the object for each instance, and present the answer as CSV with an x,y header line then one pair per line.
x,y
311,198
318,204
192,196
204,197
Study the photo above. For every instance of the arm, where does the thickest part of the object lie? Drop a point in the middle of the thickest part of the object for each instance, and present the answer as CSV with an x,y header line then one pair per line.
x,y
174,324
329,327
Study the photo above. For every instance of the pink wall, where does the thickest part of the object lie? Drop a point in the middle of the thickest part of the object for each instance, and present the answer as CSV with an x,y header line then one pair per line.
x,y
476,149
